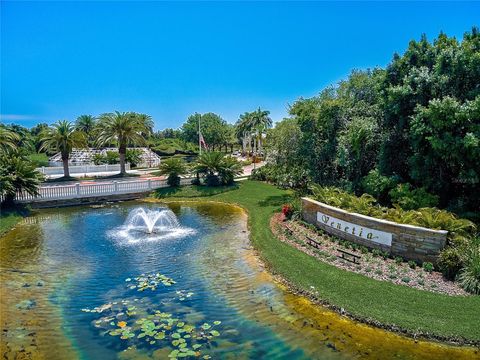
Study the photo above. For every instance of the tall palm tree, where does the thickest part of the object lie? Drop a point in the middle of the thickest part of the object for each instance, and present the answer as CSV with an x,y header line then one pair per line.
x,y
123,129
62,137
86,123
8,139
243,130
260,123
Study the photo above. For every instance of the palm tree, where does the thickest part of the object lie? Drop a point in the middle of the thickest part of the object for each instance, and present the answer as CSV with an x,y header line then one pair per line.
x,y
217,168
243,129
8,139
86,123
259,124
173,168
229,168
62,137
17,173
123,128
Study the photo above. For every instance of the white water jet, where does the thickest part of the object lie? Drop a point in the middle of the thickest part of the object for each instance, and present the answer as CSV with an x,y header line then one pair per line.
x,y
152,220
150,225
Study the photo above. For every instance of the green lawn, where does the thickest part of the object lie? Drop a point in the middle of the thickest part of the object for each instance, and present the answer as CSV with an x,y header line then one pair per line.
x,y
193,191
39,159
410,309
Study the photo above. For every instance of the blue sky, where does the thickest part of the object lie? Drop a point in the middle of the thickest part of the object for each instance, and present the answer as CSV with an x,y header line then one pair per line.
x,y
63,59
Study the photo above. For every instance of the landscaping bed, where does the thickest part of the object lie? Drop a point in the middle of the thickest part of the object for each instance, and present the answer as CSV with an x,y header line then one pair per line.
x,y
373,264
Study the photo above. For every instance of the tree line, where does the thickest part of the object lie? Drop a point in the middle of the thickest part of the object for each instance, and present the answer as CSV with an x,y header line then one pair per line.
x,y
409,132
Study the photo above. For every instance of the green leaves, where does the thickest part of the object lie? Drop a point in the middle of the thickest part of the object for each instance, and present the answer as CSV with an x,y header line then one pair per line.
x,y
150,282
135,322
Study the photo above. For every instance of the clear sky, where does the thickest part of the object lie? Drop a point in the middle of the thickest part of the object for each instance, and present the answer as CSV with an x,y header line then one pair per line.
x,y
63,59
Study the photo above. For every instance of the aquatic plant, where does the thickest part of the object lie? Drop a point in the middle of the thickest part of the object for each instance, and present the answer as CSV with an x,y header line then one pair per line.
x,y
139,325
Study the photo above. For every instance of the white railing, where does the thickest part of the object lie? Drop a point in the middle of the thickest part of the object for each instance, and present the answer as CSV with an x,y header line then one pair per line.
x,y
78,190
81,169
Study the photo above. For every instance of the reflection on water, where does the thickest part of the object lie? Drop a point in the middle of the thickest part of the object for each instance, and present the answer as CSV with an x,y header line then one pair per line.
x,y
62,261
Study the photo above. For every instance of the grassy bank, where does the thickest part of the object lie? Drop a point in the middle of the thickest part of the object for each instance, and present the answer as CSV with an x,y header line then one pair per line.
x,y
410,309
9,218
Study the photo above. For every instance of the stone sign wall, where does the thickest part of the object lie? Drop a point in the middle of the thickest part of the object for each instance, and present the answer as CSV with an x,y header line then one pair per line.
x,y
408,241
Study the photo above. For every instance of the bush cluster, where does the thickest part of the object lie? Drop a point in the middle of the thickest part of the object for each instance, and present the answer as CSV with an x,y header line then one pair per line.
x,y
460,259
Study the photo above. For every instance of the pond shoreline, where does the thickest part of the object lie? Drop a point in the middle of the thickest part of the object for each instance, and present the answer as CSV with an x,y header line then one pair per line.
x,y
296,290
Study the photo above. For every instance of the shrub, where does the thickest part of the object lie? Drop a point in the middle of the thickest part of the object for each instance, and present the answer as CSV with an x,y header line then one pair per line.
x,y
173,168
363,249
99,159
287,211
398,260
212,180
133,157
427,266
376,252
378,185
411,199
112,157
412,264
17,173
196,181
406,279
469,276
451,261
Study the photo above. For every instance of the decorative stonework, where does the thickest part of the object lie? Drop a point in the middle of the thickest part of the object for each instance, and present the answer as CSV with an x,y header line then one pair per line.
x,y
408,241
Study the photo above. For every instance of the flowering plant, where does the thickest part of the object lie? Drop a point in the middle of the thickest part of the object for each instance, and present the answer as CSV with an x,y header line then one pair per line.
x,y
287,211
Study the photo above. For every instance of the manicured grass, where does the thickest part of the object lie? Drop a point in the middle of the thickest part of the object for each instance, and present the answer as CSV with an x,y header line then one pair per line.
x,y
40,159
192,191
9,218
390,304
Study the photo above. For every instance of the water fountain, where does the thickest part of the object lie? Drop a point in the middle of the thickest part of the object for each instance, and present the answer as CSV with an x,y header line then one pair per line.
x,y
149,225
159,220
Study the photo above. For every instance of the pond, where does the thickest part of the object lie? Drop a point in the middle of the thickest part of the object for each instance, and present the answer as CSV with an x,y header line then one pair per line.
x,y
140,280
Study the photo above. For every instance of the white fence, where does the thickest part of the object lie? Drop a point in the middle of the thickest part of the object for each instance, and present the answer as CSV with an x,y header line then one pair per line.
x,y
81,169
91,190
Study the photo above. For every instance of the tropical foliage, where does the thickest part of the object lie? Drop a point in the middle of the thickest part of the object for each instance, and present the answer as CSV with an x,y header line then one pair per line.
x,y
173,168
17,174
416,122
123,129
461,232
217,168
62,137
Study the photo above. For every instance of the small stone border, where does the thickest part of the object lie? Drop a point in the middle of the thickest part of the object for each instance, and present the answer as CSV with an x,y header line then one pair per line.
x,y
295,234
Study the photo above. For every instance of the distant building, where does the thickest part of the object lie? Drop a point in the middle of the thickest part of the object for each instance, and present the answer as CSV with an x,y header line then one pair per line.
x,y
85,157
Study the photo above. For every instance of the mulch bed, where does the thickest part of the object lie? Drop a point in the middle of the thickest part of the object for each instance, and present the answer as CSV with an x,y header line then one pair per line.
x,y
376,267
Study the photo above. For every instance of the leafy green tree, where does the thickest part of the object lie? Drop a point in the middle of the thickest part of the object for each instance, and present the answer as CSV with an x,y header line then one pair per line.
x,y
173,168
281,146
62,137
445,138
212,126
123,129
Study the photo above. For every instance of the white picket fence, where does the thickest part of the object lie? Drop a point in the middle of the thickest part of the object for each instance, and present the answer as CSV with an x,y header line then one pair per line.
x,y
96,189
81,169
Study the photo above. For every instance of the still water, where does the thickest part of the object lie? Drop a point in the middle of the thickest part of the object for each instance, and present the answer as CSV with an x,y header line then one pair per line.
x,y
91,283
